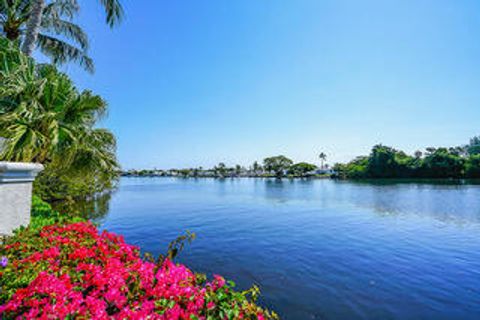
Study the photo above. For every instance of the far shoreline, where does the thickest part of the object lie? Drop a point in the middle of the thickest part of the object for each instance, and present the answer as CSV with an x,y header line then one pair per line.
x,y
379,181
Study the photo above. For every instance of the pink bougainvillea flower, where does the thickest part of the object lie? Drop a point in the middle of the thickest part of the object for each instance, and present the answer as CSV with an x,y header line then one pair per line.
x,y
73,271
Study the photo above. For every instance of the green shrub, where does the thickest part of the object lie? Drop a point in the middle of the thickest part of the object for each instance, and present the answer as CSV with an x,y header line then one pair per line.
x,y
44,215
41,208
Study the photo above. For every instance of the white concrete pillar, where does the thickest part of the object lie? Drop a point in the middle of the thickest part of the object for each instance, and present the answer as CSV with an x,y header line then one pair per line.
x,y
16,194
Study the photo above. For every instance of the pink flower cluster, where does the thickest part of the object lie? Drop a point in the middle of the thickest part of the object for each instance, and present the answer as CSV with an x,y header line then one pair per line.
x,y
79,273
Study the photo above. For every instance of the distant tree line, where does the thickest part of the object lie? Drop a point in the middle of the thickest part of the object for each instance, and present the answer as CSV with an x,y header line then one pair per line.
x,y
383,162
277,166
387,162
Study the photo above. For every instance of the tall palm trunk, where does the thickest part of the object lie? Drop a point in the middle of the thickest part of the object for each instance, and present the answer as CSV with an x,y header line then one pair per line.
x,y
33,27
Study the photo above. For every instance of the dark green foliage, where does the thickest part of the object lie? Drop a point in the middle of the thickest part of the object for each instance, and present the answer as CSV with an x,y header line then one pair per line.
x,y
406,166
41,208
442,163
256,167
355,169
301,168
472,167
43,215
221,170
386,162
382,162
277,165
238,169
473,147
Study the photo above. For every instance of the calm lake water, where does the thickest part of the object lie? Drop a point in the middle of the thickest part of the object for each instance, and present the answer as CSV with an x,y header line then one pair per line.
x,y
319,249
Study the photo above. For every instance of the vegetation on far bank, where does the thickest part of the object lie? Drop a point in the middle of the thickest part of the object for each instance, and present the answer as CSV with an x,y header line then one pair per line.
x,y
435,163
383,162
277,166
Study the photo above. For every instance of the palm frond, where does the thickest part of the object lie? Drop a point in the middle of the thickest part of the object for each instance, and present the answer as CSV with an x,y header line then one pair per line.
x,y
60,8
61,52
96,152
67,29
18,6
113,10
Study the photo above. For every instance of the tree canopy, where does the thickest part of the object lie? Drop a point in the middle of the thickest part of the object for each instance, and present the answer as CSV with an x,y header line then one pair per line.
x,y
387,162
301,168
473,147
277,165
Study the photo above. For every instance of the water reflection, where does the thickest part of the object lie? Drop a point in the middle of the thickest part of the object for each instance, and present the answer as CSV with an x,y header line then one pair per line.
x,y
282,190
426,182
446,200
94,208
275,190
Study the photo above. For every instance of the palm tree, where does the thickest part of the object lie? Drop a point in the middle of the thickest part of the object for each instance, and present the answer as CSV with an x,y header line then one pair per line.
x,y
238,169
255,167
33,26
57,126
57,37
322,157
113,10
45,119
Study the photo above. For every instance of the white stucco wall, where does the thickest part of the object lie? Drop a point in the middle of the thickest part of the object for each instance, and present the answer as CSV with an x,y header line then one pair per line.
x,y
15,202
16,194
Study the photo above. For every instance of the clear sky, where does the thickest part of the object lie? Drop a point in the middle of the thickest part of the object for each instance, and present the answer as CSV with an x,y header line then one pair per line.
x,y
191,83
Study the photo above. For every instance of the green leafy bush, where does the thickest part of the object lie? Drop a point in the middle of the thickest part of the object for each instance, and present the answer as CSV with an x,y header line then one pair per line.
x,y
43,215
42,209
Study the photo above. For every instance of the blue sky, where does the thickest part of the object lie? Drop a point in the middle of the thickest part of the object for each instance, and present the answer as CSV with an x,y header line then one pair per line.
x,y
193,83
